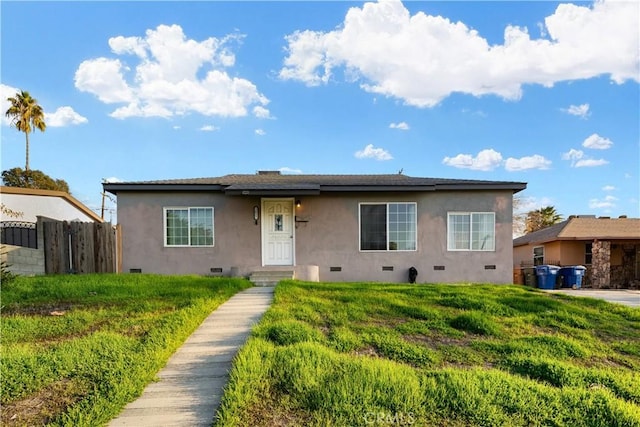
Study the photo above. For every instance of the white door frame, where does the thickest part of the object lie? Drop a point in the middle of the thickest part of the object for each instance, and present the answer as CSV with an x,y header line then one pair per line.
x,y
264,224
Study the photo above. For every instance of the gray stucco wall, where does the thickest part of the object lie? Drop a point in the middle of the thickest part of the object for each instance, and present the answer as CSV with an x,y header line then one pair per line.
x,y
326,236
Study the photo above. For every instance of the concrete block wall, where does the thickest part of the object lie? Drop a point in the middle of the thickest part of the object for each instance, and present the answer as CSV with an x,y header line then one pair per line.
x,y
23,261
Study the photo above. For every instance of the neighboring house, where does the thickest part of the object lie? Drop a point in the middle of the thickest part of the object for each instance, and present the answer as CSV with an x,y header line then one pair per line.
x,y
320,227
22,231
608,247
32,203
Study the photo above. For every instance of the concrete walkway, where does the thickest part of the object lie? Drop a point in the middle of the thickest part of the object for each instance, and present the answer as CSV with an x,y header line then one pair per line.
x,y
190,386
626,297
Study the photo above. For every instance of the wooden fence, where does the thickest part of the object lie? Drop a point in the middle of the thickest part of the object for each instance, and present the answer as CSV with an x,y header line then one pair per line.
x,y
80,247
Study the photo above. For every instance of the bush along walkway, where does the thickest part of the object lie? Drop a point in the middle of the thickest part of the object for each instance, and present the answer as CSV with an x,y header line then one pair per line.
x,y
190,386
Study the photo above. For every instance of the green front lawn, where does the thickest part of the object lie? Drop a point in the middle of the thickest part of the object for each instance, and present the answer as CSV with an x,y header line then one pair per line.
x,y
76,349
444,355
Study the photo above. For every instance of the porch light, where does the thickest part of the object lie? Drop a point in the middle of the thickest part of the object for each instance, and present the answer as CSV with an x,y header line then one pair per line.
x,y
256,214
298,203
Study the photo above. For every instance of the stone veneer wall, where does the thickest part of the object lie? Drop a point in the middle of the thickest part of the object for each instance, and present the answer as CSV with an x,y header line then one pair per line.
x,y
623,276
601,264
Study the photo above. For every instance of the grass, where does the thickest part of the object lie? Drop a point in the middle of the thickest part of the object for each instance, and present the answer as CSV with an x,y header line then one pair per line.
x,y
480,355
76,349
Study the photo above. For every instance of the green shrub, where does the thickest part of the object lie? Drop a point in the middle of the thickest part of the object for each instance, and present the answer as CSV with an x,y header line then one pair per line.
x,y
6,276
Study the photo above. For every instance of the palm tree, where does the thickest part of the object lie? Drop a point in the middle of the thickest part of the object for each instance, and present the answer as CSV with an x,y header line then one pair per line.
x,y
26,115
550,216
542,218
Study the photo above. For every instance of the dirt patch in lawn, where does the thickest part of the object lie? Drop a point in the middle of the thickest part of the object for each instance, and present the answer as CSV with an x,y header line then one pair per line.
x,y
435,341
266,413
42,407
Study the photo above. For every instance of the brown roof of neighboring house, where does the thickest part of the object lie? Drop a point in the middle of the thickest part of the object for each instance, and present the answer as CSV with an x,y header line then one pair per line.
x,y
272,182
52,193
576,228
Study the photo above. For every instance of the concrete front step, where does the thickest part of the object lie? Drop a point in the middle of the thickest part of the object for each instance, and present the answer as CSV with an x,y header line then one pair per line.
x,y
270,277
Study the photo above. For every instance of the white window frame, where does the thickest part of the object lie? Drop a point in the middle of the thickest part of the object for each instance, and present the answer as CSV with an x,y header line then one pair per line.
x,y
415,231
188,209
537,256
470,248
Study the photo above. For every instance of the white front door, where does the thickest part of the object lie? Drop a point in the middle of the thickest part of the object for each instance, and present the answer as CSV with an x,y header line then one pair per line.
x,y
277,231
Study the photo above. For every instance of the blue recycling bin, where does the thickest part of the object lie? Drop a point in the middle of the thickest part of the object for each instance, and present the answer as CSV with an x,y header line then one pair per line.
x,y
547,276
572,276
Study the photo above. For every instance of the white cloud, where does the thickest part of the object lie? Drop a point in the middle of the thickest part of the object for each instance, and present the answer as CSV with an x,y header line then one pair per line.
x,y
606,203
112,179
176,127
290,170
260,132
573,155
579,160
104,78
209,128
64,116
369,152
401,126
581,110
486,160
422,59
526,163
588,163
170,75
597,142
261,112
608,188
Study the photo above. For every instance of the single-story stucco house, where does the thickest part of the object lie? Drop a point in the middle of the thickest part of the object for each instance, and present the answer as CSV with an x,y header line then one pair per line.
x,y
319,227
608,247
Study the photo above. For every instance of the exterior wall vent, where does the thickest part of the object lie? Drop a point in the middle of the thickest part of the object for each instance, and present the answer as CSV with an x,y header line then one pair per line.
x,y
135,270
438,267
335,268
387,268
490,267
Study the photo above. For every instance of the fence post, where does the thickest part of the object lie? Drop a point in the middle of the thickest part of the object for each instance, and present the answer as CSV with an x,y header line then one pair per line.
x,y
56,250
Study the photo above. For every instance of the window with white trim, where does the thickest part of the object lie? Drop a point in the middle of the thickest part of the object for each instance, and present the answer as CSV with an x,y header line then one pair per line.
x,y
471,231
188,226
388,226
538,255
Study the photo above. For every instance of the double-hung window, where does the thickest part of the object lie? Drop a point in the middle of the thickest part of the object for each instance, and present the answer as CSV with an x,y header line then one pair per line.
x,y
538,255
188,226
471,231
388,226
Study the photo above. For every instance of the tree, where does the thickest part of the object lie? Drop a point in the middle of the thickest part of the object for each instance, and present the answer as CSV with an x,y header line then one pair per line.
x,y
26,115
542,218
519,217
16,177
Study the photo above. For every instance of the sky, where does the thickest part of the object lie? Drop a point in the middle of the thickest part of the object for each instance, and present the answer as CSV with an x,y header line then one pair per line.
x,y
540,92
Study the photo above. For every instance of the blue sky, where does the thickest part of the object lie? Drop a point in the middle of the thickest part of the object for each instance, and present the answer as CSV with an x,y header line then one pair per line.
x,y
541,92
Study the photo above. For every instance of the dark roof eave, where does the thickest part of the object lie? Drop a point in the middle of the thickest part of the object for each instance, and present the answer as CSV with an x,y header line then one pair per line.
x,y
115,187
514,186
370,188
273,192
